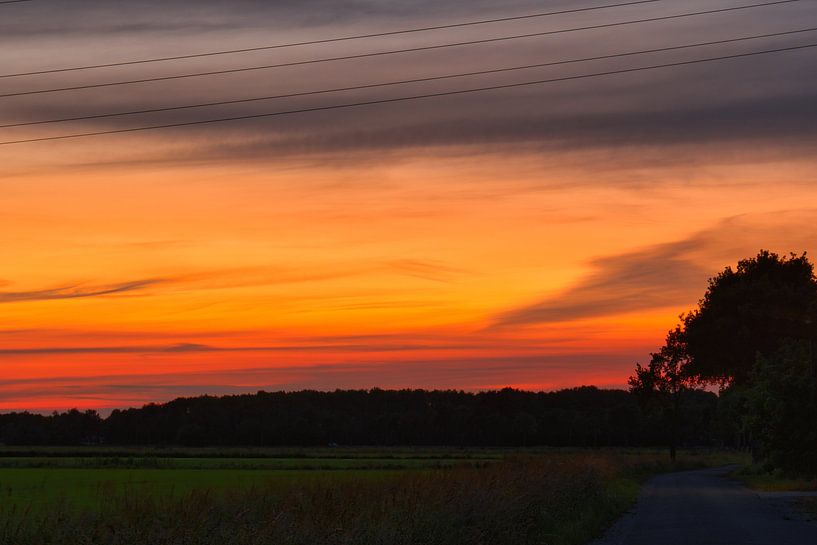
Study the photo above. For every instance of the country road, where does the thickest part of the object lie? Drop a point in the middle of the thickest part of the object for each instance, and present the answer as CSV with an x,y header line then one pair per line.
x,y
705,508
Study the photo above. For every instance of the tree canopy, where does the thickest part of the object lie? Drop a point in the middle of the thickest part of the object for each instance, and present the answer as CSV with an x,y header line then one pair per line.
x,y
782,407
748,311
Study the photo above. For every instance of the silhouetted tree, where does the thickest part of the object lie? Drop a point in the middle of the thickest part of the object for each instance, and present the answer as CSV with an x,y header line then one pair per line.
x,y
662,383
749,310
748,334
68,428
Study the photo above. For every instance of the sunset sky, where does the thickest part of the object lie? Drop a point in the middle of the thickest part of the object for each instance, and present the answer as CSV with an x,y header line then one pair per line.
x,y
540,237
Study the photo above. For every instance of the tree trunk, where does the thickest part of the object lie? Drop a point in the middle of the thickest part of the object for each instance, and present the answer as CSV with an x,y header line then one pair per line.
x,y
674,417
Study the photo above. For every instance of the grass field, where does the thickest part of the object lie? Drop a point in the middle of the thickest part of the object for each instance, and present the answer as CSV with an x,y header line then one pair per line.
x,y
38,488
239,463
348,496
358,453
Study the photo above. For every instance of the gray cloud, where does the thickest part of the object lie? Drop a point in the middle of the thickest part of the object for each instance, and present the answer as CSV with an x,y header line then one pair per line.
x,y
100,17
784,120
669,275
763,102
653,278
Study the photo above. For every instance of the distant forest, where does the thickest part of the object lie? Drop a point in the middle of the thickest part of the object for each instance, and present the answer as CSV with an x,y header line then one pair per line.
x,y
585,416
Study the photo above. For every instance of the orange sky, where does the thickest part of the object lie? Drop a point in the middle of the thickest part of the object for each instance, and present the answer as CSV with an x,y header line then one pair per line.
x,y
369,249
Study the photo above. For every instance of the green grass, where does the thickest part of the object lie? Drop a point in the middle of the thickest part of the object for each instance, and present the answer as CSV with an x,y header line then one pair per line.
x,y
337,463
39,488
37,482
254,452
339,496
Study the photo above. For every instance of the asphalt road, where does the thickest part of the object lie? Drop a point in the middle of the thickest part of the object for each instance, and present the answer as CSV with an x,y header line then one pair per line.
x,y
705,508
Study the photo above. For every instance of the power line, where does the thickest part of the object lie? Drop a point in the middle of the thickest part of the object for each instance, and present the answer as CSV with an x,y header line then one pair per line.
x,y
390,52
411,97
326,40
407,81
13,1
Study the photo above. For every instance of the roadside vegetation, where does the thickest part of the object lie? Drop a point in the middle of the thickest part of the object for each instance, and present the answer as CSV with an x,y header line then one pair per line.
x,y
807,506
759,477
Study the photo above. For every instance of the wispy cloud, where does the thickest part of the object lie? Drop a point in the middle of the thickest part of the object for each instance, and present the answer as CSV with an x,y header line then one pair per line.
x,y
203,279
240,278
196,347
671,274
652,278
426,270
78,291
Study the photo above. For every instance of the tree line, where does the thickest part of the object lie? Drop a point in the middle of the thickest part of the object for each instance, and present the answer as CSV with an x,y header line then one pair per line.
x,y
585,416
